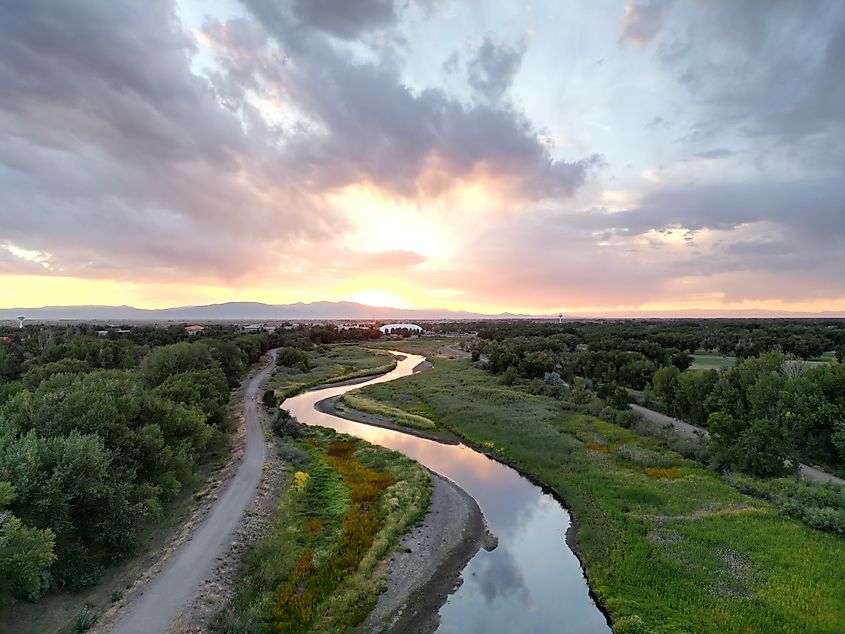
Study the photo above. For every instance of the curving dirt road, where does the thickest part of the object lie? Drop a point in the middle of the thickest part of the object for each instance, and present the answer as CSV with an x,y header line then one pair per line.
x,y
178,582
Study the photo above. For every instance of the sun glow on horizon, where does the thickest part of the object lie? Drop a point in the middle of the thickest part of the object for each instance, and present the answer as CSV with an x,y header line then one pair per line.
x,y
378,297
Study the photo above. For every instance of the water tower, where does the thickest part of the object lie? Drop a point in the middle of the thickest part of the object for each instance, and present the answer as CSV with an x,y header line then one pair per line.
x,y
20,321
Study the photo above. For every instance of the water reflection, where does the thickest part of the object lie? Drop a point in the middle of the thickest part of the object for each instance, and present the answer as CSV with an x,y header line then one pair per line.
x,y
532,582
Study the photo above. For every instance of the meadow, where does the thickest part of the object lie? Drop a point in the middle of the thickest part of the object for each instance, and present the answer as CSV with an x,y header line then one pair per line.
x,y
342,513
667,544
708,361
329,364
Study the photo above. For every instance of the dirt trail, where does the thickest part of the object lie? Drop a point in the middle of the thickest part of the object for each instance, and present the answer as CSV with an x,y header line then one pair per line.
x,y
164,596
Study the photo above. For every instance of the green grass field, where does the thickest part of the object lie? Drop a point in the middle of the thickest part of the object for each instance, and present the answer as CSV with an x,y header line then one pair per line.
x,y
663,539
331,364
711,362
342,513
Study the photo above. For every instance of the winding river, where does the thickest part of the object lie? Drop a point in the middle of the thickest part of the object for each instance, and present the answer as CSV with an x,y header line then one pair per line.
x,y
532,582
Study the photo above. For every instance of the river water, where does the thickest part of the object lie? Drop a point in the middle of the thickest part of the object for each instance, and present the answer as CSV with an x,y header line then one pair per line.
x,y
532,582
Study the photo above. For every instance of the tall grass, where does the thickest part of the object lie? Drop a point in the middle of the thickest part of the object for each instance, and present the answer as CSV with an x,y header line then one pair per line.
x,y
667,544
316,568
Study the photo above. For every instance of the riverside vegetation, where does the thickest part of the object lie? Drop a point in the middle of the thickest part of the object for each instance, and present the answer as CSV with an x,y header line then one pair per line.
x,y
669,545
342,513
102,436
302,368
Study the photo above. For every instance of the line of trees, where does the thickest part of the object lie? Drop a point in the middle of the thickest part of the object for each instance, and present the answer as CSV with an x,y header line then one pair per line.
x,y
763,413
98,435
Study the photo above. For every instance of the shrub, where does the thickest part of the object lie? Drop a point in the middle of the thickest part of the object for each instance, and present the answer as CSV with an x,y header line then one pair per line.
x,y
293,455
631,625
269,399
86,619
285,425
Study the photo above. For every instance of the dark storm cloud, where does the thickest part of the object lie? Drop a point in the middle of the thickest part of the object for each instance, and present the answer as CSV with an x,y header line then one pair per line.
x,y
494,66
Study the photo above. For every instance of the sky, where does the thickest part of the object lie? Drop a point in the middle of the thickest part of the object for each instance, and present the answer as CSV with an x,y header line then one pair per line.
x,y
529,156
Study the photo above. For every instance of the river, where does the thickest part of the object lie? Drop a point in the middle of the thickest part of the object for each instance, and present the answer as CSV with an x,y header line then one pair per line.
x,y
532,582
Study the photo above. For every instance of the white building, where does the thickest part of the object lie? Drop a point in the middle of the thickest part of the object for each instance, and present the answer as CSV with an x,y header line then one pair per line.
x,y
389,328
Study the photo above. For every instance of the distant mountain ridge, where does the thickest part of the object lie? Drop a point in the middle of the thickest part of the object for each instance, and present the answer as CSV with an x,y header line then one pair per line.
x,y
241,311
260,312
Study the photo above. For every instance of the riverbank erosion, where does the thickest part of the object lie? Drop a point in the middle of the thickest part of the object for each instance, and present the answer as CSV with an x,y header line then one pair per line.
x,y
427,565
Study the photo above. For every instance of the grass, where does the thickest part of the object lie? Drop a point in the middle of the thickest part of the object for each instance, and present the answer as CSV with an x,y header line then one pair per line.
x,y
398,416
711,362
708,361
664,540
428,346
320,566
329,365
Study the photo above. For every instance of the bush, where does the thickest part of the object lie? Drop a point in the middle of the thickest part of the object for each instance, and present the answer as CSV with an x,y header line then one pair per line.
x,y
291,454
270,399
285,425
631,625
86,619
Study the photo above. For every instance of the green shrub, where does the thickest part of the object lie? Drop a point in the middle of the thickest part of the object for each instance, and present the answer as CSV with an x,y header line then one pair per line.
x,y
86,619
285,425
269,399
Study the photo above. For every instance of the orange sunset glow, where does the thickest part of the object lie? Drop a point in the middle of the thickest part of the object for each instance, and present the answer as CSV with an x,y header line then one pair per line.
x,y
501,171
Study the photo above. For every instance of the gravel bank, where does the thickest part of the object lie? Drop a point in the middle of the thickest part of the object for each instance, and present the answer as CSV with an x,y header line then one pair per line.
x,y
427,566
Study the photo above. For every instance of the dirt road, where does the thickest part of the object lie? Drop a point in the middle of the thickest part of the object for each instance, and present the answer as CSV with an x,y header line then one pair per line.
x,y
178,582
685,429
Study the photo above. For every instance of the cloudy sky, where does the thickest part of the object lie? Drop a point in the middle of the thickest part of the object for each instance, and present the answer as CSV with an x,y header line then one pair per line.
x,y
528,156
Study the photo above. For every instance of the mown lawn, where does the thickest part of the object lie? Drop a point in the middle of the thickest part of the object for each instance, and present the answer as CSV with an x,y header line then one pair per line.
x,y
343,511
662,538
329,364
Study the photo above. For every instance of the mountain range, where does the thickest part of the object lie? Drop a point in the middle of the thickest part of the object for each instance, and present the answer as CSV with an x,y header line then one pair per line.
x,y
241,311
257,311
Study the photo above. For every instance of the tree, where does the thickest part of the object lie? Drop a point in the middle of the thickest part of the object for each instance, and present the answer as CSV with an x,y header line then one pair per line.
x,y
760,449
665,383
291,357
763,450
25,552
179,357
205,388
681,360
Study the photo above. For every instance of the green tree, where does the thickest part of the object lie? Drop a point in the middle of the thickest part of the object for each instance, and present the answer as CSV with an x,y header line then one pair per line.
x,y
173,359
290,357
205,388
25,552
665,383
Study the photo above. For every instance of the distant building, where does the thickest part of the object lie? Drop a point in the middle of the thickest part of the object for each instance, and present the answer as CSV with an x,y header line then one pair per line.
x,y
103,334
194,330
6,341
388,329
